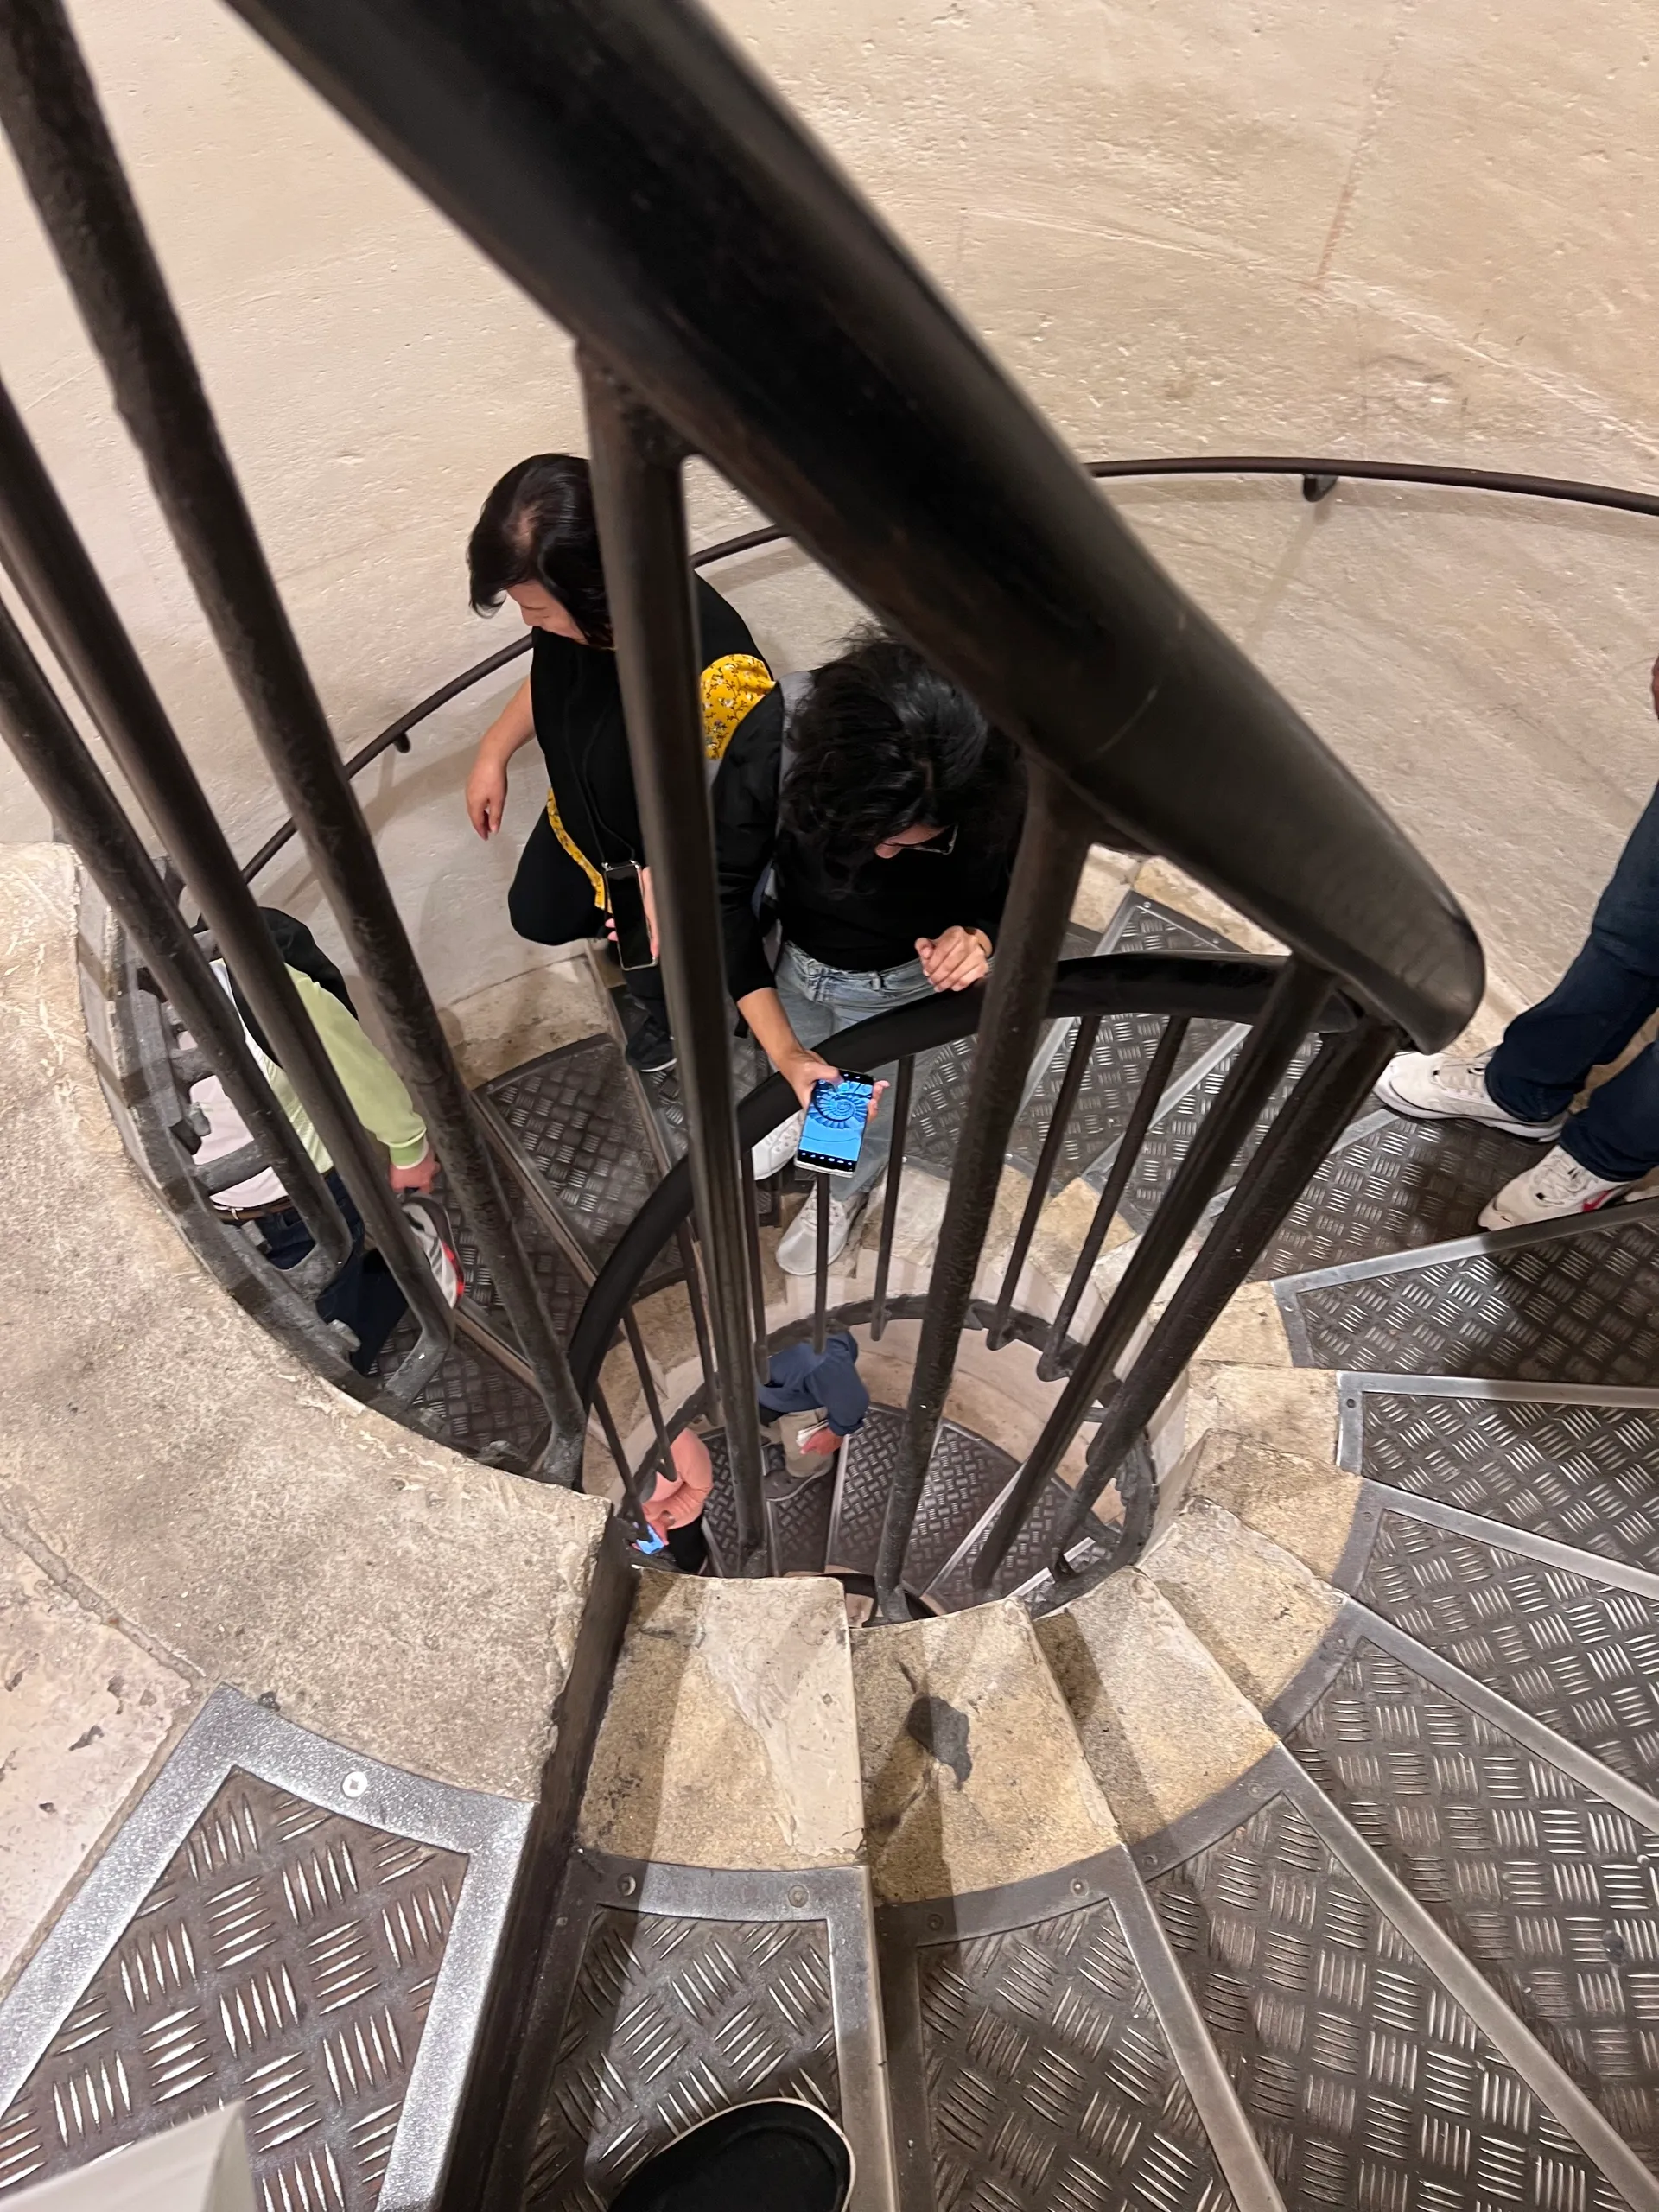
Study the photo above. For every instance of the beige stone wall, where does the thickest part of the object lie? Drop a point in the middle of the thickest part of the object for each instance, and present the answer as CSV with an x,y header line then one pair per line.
x,y
1185,225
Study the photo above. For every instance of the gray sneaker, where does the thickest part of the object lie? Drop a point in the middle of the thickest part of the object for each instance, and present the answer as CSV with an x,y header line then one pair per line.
x,y
798,1248
1437,1087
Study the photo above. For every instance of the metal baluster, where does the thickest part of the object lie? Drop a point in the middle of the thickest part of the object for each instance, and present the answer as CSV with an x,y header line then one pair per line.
x,y
63,771
756,1280
821,1260
1070,1084
901,1091
1051,849
630,1506
1298,998
639,498
1154,1084
69,162
1309,1122
662,1458
692,1270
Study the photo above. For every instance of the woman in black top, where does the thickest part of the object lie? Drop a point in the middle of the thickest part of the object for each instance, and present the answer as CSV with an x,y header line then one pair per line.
x,y
536,543
891,843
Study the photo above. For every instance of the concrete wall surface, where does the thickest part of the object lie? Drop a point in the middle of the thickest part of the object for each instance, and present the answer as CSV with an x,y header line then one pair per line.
x,y
1185,225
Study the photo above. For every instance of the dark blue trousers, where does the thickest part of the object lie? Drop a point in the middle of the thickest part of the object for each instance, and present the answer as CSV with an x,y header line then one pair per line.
x,y
1588,1019
363,1295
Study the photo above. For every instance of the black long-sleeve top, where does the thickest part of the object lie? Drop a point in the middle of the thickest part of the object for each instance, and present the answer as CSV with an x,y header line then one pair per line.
x,y
872,922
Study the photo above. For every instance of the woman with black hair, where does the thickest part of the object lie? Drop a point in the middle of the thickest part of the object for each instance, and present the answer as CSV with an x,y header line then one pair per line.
x,y
536,543
890,845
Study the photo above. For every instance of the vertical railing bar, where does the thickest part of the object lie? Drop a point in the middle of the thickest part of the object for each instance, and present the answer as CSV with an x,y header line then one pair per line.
x,y
1071,1085
1335,1083
662,1459
614,1445
1297,999
1181,1088
1153,1084
691,1268
760,1352
821,1260
69,162
640,498
1052,846
644,1100
901,1091
70,783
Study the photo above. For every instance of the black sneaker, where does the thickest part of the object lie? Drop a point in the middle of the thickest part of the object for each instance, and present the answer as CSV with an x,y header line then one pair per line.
x,y
777,2155
651,1049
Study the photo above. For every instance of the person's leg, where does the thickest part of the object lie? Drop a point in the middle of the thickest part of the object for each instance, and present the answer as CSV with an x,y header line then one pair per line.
x,y
689,1547
1590,1016
552,900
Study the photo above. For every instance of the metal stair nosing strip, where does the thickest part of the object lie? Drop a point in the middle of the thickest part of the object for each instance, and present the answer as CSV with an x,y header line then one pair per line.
x,y
1289,1290
1355,1385
1378,1499
1278,1776
1109,1879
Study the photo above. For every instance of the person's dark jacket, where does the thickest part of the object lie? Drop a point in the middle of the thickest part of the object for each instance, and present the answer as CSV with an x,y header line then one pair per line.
x,y
872,922
800,1380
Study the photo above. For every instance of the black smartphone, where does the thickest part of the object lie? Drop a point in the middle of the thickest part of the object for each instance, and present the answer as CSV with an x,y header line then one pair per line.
x,y
627,903
832,1135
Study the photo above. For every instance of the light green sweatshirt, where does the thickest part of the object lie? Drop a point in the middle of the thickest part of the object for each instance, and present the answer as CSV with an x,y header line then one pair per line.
x,y
372,1084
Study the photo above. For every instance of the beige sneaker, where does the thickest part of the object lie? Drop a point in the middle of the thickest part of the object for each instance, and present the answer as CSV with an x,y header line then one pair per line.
x,y
1557,1187
798,1248
1436,1087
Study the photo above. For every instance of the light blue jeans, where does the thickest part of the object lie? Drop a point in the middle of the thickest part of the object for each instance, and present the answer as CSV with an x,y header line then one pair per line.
x,y
819,1001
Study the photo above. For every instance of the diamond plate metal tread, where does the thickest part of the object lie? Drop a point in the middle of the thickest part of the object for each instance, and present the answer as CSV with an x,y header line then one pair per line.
x,y
286,1957
672,2018
1048,2081
1366,2084
1583,1474
1577,1303
475,1403
965,1474
1579,1656
573,1111
798,1513
1394,1185
1029,1556
1172,1132
719,1514
1548,1889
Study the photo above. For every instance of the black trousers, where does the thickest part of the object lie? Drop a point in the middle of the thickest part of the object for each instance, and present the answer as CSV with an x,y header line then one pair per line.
x,y
551,902
363,1295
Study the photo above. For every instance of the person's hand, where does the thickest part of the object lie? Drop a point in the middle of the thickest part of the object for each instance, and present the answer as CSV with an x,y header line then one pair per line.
x,y
421,1177
957,959
648,900
823,1440
803,1069
486,792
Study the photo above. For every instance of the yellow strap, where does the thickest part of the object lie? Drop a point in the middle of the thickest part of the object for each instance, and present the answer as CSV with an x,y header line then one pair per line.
x,y
730,686
574,850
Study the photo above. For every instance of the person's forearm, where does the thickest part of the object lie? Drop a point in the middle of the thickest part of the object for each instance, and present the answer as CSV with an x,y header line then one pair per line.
x,y
513,728
770,1026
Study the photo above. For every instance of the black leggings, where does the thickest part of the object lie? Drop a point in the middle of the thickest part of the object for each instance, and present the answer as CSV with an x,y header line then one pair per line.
x,y
552,901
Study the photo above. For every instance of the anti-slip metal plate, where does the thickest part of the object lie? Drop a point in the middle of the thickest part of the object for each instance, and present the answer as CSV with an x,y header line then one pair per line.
x,y
573,1112
798,1513
1579,1656
1548,1889
1394,1185
1178,1122
694,1990
1366,2084
278,1922
1583,1471
1568,1302
1022,2028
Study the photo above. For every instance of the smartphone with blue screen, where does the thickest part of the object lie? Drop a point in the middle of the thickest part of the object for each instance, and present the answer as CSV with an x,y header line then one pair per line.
x,y
832,1134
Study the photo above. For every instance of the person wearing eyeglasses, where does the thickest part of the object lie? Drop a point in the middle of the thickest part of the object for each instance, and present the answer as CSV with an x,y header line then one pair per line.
x,y
880,835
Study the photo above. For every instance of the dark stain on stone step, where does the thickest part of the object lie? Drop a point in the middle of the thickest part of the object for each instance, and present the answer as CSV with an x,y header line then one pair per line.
x,y
942,1728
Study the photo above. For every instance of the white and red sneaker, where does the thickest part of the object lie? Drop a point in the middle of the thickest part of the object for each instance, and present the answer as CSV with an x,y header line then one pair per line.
x,y
430,1225
1440,1087
1557,1187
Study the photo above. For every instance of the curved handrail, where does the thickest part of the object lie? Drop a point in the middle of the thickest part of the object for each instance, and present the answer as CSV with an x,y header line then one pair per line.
x,y
1318,478
1229,988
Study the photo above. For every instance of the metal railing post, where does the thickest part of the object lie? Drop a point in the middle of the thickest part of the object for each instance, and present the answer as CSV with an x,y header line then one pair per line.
x,y
70,165
1052,846
639,498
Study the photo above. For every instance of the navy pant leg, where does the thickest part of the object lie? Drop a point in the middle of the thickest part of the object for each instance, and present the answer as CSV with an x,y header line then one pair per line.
x,y
1589,1018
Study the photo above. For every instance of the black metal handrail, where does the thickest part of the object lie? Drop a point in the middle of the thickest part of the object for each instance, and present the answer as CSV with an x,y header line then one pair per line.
x,y
1319,478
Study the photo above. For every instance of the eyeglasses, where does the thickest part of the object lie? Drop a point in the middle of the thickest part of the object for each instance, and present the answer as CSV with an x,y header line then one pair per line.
x,y
944,844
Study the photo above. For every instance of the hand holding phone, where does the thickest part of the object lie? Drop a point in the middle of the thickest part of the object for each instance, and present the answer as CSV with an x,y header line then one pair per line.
x,y
832,1134
625,899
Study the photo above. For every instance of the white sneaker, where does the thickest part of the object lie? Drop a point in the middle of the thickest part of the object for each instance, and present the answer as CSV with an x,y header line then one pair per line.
x,y
798,1248
777,1151
1435,1087
1557,1185
430,1224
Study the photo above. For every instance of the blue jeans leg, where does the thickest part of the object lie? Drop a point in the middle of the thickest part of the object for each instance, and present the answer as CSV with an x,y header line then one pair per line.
x,y
1589,1018
820,1001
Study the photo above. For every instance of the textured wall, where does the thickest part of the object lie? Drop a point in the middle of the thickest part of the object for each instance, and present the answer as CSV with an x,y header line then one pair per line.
x,y
1401,231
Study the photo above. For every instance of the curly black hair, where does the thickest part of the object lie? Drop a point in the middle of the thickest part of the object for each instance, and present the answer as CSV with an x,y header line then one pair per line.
x,y
537,527
882,741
